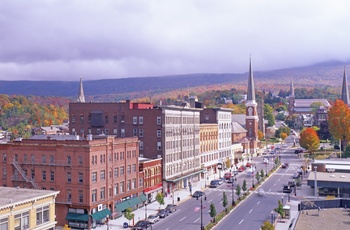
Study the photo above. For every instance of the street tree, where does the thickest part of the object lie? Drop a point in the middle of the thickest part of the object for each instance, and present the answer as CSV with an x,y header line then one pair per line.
x,y
257,177
244,186
224,199
339,121
309,140
212,211
238,191
160,199
228,163
267,226
128,214
283,129
260,135
279,209
262,174
283,135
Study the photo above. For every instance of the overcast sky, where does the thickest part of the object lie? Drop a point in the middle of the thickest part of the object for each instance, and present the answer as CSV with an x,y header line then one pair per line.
x,y
106,39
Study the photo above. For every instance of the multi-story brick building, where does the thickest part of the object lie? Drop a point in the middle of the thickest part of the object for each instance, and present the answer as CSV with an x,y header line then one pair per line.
x,y
209,147
167,132
151,170
94,176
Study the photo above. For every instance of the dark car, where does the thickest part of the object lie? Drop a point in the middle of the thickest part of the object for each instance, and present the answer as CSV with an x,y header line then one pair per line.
x,y
162,213
291,183
287,189
198,194
297,151
171,208
214,184
296,176
142,225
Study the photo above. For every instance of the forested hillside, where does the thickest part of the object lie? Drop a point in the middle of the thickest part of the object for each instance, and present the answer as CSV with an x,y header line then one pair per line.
x,y
19,114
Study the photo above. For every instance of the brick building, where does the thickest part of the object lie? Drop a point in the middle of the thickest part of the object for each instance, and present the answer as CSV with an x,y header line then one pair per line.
x,y
151,170
93,176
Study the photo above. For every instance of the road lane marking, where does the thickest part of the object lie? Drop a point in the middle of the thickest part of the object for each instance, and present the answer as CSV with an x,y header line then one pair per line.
x,y
274,184
197,220
241,221
183,218
258,202
250,210
210,200
279,179
270,190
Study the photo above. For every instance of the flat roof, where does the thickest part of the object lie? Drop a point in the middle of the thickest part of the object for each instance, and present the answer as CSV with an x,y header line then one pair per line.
x,y
330,177
12,196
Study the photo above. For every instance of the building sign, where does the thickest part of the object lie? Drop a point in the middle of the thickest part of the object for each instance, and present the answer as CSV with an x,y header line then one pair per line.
x,y
220,166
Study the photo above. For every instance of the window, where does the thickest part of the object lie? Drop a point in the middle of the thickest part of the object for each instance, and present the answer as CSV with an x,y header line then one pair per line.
x,y
140,132
102,175
106,131
159,133
116,189
101,159
25,158
42,215
115,118
134,132
4,223
94,177
122,187
43,173
81,196
116,172
94,195
73,131
4,173
89,118
129,185
52,176
82,118
141,120
141,182
21,221
141,145
134,168
52,159
4,157
122,132
133,183
80,177
82,130
159,145
43,159
115,132
121,155
69,177
80,160
159,120
129,169
106,118
73,119
122,170
69,196
102,193
32,157
134,120
69,160
32,173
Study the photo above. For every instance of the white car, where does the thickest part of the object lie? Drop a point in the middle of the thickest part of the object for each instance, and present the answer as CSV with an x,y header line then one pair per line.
x,y
153,218
265,160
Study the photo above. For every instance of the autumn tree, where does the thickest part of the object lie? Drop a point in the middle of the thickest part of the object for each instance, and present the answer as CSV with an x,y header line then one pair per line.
x,y
228,163
260,135
283,136
339,121
309,139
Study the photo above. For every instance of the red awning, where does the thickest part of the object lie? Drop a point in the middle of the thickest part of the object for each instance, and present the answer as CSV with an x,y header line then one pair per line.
x,y
153,188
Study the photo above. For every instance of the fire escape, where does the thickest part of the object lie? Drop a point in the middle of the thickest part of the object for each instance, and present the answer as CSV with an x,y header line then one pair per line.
x,y
26,178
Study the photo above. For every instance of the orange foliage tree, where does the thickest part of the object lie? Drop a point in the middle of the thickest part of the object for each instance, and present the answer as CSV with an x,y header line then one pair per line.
x,y
339,121
283,136
309,140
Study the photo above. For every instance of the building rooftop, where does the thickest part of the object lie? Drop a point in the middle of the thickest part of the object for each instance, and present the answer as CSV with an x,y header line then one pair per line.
x,y
330,177
12,196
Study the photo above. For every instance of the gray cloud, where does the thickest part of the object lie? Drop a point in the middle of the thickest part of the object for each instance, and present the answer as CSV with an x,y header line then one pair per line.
x,y
60,40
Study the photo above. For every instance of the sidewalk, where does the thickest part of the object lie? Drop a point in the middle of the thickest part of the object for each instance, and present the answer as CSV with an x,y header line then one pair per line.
x,y
285,224
153,207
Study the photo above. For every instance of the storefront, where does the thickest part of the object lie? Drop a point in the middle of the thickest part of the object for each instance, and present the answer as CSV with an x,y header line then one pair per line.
x,y
151,192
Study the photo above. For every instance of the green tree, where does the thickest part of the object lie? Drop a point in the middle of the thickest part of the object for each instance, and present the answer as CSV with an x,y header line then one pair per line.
x,y
160,199
238,190
257,177
268,114
244,186
282,129
279,209
315,106
212,211
262,173
347,151
267,226
128,214
224,199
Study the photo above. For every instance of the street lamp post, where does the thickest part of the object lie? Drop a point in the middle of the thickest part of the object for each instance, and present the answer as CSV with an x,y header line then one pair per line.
x,y
315,167
202,227
107,220
282,199
266,168
145,211
252,177
233,195
272,219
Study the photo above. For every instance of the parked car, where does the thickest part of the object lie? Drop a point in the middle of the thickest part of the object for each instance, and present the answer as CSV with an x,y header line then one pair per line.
x,y
227,175
142,225
284,165
153,218
286,189
221,180
241,169
162,213
265,160
171,208
214,184
198,194
248,165
291,183
336,146
296,176
231,180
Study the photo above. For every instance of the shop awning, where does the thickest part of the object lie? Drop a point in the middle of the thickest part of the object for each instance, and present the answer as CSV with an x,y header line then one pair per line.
x,y
134,201
77,217
101,214
184,176
143,197
153,188
122,206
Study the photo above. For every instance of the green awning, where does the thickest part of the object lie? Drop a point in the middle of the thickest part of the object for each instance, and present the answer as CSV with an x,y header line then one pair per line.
x,y
122,206
143,197
77,217
101,214
134,201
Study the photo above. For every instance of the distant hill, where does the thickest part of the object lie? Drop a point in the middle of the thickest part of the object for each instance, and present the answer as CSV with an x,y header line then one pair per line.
x,y
320,75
